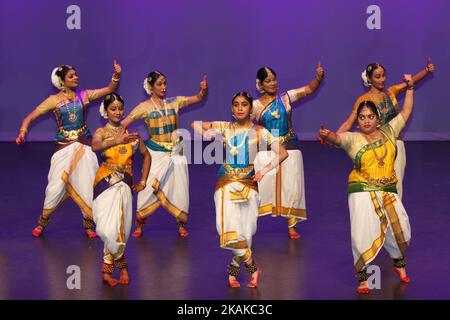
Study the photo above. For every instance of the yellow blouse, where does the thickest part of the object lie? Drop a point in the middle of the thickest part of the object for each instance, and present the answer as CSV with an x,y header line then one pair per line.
x,y
118,159
373,162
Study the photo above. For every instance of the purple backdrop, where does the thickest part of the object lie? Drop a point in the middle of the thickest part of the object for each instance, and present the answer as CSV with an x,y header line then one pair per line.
x,y
228,41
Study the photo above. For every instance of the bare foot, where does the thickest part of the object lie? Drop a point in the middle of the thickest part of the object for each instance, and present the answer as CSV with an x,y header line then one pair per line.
x,y
137,232
91,233
402,275
255,279
232,281
110,280
37,231
363,288
124,278
293,234
183,232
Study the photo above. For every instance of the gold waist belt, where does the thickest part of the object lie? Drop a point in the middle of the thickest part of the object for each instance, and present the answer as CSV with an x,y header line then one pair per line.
x,y
72,134
380,182
240,172
117,167
167,145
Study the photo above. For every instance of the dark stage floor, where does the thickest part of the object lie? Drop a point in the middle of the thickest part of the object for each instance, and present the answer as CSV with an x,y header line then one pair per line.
x,y
163,266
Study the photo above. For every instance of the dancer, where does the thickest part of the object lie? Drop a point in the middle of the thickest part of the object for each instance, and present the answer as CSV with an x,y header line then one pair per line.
x,y
112,207
282,192
377,215
374,77
73,164
236,193
168,182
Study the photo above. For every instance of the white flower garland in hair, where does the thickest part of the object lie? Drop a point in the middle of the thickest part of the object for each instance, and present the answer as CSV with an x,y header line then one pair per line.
x,y
102,111
259,86
365,79
147,87
56,81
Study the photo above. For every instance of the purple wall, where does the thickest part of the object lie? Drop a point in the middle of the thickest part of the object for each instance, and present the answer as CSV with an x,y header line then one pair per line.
x,y
228,41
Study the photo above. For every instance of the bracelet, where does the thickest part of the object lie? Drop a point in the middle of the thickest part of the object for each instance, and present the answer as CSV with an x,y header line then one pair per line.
x,y
24,130
113,79
410,88
143,183
319,79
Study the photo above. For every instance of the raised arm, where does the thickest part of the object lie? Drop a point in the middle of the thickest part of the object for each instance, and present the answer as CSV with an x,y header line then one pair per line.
x,y
409,97
146,164
47,105
348,124
314,84
111,87
329,136
430,68
201,95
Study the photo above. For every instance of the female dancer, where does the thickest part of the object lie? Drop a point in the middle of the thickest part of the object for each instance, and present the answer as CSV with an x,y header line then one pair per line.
x,y
236,195
112,207
377,215
282,192
374,77
168,182
73,164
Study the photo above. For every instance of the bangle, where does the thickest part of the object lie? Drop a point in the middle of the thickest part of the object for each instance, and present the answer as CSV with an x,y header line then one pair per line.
x,y
24,130
114,79
143,183
319,79
410,88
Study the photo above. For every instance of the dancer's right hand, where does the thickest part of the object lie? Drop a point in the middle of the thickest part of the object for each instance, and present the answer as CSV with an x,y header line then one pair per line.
x,y
127,137
20,138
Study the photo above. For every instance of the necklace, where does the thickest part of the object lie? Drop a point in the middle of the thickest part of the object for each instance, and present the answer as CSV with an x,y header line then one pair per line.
x,y
163,116
379,159
72,114
275,113
115,131
112,130
235,149
382,106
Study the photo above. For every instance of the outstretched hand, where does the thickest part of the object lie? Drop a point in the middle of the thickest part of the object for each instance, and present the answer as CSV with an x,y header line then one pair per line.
x,y
117,68
320,71
204,83
430,65
20,138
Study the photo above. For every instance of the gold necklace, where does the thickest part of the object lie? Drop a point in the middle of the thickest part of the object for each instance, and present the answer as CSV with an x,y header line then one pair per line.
x,y
115,131
275,113
383,109
71,98
379,159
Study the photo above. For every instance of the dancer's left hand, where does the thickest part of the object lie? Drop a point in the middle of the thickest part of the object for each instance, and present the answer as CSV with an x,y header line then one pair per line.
x,y
204,83
117,68
137,187
320,71
257,177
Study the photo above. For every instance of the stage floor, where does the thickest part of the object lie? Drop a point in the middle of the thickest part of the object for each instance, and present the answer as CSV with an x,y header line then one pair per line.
x,y
164,266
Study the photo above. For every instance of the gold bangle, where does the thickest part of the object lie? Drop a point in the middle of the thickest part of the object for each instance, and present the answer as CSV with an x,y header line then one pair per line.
x,y
25,130
143,183
113,79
